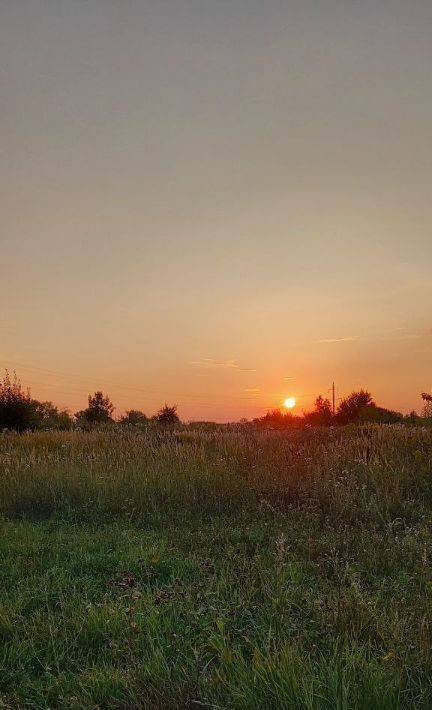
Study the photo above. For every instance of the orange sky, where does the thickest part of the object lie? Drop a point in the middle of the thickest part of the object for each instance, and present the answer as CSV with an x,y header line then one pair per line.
x,y
201,200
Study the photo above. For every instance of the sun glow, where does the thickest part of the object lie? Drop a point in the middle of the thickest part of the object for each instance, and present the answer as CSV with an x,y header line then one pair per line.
x,y
290,402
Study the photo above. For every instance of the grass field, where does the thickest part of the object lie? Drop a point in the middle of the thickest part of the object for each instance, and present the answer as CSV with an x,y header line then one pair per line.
x,y
216,569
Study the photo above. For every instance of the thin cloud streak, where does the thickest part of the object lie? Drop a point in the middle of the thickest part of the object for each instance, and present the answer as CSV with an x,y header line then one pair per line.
x,y
208,362
348,339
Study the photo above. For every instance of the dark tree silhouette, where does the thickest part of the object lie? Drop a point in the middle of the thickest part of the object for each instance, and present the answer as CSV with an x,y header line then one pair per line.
x,y
17,409
99,410
50,417
321,415
134,417
427,407
168,415
351,409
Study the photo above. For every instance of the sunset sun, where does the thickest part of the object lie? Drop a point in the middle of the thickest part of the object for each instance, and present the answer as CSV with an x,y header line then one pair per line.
x,y
290,402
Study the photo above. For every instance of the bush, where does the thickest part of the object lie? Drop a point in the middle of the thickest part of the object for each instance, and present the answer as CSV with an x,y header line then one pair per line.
x,y
279,420
168,415
50,417
134,417
427,407
17,409
380,415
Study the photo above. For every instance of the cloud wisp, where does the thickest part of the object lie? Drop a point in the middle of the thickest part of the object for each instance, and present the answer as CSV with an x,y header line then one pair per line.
x,y
346,339
209,363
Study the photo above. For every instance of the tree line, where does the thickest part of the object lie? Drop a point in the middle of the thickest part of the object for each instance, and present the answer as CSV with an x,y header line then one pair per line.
x,y
19,411
358,407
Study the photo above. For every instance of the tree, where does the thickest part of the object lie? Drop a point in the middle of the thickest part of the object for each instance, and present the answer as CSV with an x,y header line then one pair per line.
x,y
168,415
351,409
427,407
134,417
50,417
99,410
321,415
17,409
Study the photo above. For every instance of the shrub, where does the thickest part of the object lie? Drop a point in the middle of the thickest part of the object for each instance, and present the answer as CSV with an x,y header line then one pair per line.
x,y
168,415
134,417
50,417
427,407
17,409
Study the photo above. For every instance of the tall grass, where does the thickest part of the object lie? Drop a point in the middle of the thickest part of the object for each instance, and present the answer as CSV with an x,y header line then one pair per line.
x,y
219,569
370,471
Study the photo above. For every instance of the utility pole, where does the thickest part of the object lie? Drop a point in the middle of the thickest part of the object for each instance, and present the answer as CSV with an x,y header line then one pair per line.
x,y
333,398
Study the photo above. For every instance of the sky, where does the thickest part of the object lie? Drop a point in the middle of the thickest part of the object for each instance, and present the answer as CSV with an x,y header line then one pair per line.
x,y
216,203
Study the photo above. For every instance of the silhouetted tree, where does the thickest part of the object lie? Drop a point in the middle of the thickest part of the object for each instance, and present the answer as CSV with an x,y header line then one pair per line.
x,y
17,409
99,410
168,415
50,417
321,415
427,406
134,417
351,408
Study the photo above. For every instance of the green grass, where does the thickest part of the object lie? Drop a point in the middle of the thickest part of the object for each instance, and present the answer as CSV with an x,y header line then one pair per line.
x,y
223,569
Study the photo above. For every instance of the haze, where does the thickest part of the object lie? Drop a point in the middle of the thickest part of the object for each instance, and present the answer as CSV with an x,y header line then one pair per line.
x,y
216,203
